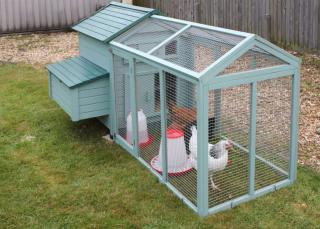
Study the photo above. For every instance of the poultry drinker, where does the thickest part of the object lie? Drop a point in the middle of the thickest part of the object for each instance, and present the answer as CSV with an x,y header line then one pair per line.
x,y
144,138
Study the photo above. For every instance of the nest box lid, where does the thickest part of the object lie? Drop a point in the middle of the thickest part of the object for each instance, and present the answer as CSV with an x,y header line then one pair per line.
x,y
76,71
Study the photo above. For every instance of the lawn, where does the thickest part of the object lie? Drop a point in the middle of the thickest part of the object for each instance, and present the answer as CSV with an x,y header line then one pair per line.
x,y
55,173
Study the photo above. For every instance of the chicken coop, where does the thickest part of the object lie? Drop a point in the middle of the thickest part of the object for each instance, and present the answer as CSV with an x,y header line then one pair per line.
x,y
212,112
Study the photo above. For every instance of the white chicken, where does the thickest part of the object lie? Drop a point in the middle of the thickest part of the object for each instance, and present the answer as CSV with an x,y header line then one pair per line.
x,y
217,154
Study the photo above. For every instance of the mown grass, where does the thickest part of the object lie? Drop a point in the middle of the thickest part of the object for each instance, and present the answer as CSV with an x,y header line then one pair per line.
x,y
68,177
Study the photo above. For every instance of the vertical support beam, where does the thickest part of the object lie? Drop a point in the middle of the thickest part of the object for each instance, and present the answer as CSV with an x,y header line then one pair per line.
x,y
133,106
217,99
217,111
163,110
202,152
113,116
252,136
294,125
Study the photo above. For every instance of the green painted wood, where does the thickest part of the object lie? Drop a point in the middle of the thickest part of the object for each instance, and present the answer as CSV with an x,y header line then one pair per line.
x,y
219,29
184,73
228,58
105,24
93,114
75,115
76,71
114,126
133,106
252,136
250,76
202,148
294,125
92,101
163,108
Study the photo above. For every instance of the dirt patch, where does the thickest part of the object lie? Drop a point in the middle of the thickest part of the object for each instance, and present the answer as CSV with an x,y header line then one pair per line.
x,y
309,124
38,49
41,49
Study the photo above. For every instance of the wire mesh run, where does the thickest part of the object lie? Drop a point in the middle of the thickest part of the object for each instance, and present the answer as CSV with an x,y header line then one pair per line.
x,y
273,131
228,161
197,48
148,100
148,34
255,58
122,98
182,115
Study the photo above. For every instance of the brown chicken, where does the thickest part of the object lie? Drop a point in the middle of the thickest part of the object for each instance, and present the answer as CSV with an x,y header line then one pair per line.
x,y
181,116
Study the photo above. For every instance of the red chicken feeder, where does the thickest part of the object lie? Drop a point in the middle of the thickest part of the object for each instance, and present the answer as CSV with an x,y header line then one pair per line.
x,y
178,162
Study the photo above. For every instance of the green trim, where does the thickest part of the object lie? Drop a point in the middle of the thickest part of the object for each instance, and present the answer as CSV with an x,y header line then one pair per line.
x,y
169,39
163,109
202,148
133,106
214,28
125,51
114,126
224,61
155,61
252,136
251,76
294,125
292,59
245,198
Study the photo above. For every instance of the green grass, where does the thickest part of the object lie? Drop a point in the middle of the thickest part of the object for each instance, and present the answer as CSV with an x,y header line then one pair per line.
x,y
68,177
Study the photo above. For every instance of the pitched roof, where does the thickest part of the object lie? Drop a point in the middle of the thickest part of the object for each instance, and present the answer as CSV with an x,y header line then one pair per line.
x,y
76,71
112,20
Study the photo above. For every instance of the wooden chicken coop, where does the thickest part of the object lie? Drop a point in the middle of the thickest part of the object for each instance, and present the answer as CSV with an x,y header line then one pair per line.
x,y
212,112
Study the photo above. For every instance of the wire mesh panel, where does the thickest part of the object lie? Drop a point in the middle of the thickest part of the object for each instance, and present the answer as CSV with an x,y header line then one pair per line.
x,y
181,117
273,131
197,48
122,99
148,34
149,120
255,58
228,161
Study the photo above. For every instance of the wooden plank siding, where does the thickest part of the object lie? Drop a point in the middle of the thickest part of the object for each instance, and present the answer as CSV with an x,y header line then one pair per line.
x,y
18,16
287,22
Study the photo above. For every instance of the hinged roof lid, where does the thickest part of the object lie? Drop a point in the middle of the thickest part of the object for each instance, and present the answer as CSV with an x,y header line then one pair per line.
x,y
112,20
76,71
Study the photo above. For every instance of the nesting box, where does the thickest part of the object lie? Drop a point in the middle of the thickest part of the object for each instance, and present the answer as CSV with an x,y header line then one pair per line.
x,y
227,84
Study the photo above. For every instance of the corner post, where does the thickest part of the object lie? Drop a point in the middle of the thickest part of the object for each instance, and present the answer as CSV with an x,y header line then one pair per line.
x,y
252,136
133,106
114,128
294,125
202,148
163,109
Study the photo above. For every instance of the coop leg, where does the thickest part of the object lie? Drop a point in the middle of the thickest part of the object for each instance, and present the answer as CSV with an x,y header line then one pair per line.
x,y
214,187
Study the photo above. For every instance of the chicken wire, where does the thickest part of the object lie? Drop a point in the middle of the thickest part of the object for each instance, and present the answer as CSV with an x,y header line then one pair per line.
x,y
182,114
197,48
122,95
273,130
230,109
148,99
148,34
255,58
